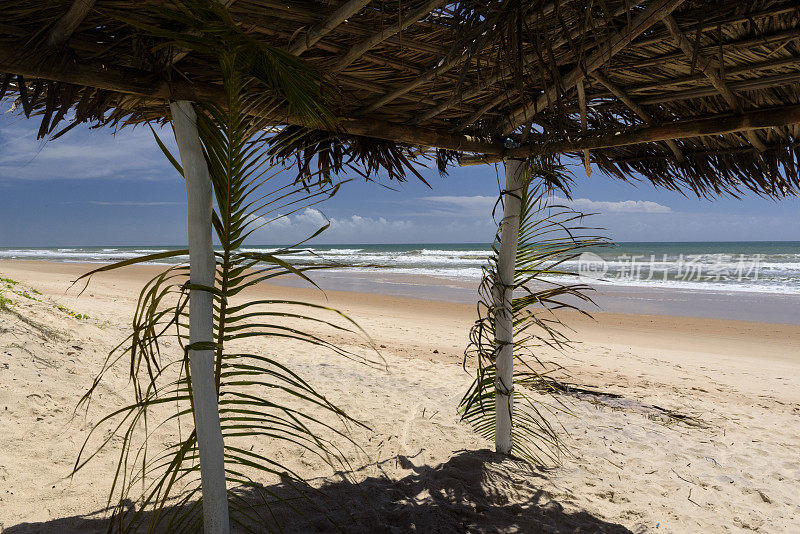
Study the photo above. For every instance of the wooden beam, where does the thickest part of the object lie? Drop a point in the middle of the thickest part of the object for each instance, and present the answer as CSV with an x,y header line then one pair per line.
x,y
416,44
440,68
782,37
290,11
717,125
403,66
750,68
66,25
561,41
414,135
145,84
375,87
654,12
427,76
584,125
706,126
788,78
708,68
406,20
323,28
636,108
472,92
713,24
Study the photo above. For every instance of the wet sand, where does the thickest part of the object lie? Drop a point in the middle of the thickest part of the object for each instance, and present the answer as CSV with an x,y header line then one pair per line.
x,y
637,300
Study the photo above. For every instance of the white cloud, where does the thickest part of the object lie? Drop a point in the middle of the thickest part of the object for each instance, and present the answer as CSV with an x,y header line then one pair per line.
x,y
352,229
621,206
470,206
308,217
82,154
619,225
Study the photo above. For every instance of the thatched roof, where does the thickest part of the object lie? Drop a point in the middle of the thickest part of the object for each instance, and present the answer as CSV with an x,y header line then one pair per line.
x,y
697,93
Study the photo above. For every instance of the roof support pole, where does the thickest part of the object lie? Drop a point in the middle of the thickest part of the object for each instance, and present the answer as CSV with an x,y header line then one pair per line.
x,y
503,295
201,319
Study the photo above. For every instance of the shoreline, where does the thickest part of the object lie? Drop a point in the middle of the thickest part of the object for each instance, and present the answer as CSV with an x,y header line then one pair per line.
x,y
756,307
656,330
719,272
750,306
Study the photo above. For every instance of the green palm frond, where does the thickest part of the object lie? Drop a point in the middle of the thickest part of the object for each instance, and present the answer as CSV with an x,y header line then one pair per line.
x,y
292,86
260,397
206,27
549,235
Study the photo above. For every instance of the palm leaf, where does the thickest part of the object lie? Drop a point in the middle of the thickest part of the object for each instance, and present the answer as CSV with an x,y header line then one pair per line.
x,y
549,235
259,395
207,28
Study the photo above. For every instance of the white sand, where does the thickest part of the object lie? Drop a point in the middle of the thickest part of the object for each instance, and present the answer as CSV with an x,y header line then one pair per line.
x,y
736,467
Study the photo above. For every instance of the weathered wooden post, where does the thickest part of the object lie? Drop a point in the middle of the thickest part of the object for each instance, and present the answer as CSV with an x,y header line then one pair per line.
x,y
503,294
201,320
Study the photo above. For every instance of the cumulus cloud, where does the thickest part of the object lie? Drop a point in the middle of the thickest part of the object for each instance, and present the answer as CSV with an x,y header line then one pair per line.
x,y
470,206
350,229
621,206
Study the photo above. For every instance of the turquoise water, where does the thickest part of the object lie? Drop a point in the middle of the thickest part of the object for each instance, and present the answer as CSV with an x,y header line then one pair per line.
x,y
762,267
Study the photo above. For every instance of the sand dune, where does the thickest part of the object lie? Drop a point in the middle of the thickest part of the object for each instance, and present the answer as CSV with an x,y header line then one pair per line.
x,y
698,436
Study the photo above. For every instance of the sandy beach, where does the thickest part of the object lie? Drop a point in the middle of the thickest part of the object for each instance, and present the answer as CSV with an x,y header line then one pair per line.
x,y
700,434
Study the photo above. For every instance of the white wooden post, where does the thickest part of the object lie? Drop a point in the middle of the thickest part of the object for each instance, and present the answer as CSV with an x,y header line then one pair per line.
x,y
201,362
504,328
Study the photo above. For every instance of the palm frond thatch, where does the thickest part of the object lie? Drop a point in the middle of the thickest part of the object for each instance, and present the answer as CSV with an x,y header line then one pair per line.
x,y
463,69
330,154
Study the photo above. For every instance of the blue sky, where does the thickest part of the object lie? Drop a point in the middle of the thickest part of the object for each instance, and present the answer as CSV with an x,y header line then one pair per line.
x,y
97,187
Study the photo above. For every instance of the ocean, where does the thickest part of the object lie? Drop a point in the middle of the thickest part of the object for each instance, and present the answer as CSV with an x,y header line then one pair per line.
x,y
754,267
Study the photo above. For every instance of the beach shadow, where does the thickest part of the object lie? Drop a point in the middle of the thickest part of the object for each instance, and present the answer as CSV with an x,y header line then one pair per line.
x,y
475,491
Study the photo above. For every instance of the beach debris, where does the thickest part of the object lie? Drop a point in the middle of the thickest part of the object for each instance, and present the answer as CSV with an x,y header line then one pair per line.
x,y
689,497
615,401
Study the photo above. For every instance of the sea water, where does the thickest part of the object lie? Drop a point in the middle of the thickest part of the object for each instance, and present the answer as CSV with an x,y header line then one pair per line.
x,y
760,267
